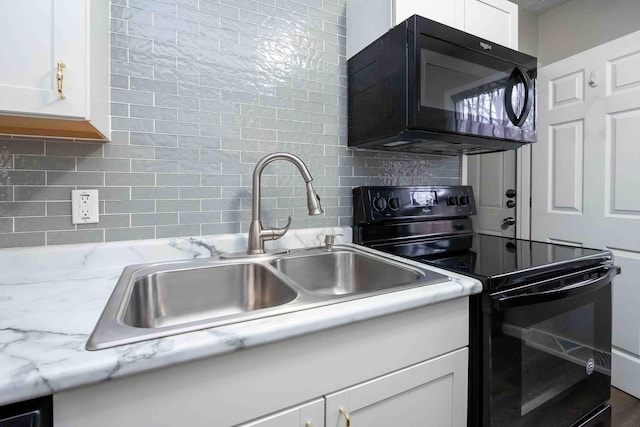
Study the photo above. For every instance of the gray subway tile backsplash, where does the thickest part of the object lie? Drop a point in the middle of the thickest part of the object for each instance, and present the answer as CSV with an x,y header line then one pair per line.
x,y
153,139
201,91
212,217
19,209
6,225
44,162
75,178
189,180
34,192
6,193
14,240
154,219
13,177
114,165
133,233
131,179
164,231
167,166
78,236
47,223
178,206
21,146
108,221
130,206
154,193
128,152
131,69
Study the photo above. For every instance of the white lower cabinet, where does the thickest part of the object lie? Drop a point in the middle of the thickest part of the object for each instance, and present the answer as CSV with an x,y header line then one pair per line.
x,y
432,393
407,368
429,393
308,415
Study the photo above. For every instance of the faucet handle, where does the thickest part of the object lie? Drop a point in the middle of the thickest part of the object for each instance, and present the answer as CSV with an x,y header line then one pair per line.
x,y
277,233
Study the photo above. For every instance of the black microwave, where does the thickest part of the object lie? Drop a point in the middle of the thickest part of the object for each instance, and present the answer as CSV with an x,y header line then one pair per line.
x,y
426,87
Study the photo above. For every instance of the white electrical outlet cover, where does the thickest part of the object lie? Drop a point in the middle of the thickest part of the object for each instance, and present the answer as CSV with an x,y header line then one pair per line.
x,y
84,207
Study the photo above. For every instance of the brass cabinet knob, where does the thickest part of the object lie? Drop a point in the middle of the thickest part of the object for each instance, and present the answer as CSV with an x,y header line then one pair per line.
x,y
60,78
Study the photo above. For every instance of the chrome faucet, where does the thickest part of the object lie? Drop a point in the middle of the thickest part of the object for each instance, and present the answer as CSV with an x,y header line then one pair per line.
x,y
257,234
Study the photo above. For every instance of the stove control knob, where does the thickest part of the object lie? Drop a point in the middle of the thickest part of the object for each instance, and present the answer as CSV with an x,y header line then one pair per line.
x,y
452,201
394,204
379,203
464,200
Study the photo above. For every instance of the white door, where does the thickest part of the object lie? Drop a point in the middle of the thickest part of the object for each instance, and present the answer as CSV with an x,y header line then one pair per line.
x,y
432,393
34,36
493,178
586,175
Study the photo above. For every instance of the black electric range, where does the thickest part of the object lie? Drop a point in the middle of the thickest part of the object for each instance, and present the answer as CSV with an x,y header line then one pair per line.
x,y
540,332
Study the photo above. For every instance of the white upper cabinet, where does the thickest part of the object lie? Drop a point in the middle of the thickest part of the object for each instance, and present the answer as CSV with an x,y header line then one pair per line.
x,y
54,74
450,12
493,20
35,35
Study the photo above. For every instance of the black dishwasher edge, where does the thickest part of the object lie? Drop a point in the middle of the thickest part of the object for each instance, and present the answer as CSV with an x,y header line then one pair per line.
x,y
29,413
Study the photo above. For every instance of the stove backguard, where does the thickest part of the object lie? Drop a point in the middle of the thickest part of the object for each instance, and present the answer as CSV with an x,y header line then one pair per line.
x,y
397,204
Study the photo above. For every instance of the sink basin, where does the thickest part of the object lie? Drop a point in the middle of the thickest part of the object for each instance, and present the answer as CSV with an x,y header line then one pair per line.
x,y
344,272
168,298
158,300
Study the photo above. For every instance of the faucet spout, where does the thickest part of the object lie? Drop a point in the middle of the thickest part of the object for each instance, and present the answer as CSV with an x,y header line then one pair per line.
x,y
257,234
313,201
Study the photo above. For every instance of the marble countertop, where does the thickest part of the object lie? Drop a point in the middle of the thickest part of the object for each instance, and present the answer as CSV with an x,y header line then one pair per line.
x,y
52,297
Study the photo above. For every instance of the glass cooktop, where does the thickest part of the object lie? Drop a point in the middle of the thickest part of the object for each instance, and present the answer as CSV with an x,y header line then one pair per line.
x,y
501,262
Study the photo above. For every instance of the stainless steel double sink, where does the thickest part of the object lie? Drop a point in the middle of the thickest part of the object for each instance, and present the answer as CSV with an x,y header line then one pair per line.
x,y
158,300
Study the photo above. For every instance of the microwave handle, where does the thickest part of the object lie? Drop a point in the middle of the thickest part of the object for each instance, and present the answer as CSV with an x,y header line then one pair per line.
x,y
583,287
528,96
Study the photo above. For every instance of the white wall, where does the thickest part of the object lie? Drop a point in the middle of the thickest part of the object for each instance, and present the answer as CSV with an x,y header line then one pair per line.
x,y
579,25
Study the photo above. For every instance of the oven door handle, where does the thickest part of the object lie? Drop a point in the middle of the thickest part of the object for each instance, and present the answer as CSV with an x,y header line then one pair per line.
x,y
575,289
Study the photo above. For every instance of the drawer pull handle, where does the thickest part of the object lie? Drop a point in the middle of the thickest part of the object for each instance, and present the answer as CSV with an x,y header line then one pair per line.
x,y
345,414
60,78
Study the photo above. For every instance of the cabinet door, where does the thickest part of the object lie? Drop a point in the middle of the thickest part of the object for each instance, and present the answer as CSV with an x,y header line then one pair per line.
x,y
493,20
369,19
34,36
450,13
432,393
308,415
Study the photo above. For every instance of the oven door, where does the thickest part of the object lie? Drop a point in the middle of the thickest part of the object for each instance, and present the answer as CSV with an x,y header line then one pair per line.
x,y
549,348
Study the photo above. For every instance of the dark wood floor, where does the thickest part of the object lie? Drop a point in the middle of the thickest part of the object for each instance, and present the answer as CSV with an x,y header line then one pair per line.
x,y
626,409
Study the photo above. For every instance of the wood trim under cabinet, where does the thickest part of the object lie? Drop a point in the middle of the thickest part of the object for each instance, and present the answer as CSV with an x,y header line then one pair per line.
x,y
47,127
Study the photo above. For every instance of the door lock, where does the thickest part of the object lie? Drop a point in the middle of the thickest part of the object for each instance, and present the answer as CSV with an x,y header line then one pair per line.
x,y
511,193
511,204
508,221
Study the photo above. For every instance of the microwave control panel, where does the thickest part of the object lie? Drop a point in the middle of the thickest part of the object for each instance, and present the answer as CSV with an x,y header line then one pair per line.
x,y
375,204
